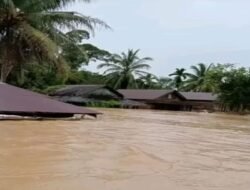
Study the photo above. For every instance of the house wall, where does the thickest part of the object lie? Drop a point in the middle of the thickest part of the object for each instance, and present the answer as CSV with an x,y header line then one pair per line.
x,y
175,103
171,97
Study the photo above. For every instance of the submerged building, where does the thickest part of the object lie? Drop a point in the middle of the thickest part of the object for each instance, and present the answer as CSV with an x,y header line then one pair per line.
x,y
21,102
84,95
172,99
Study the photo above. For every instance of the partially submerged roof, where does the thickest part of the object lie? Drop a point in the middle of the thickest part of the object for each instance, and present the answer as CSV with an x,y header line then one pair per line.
x,y
76,90
82,90
199,96
14,100
136,94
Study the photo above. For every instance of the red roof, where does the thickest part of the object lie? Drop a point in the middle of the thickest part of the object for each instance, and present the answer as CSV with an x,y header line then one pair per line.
x,y
14,100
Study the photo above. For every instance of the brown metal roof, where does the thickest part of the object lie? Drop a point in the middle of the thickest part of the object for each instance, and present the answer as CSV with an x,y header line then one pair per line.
x,y
17,100
76,90
144,94
136,94
82,90
199,96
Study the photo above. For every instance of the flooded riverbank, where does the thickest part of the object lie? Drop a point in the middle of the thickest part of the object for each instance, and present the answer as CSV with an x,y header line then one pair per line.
x,y
127,149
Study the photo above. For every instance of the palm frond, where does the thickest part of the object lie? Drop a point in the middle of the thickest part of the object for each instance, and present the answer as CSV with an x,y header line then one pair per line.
x,y
40,44
108,65
126,67
41,5
78,35
140,66
63,19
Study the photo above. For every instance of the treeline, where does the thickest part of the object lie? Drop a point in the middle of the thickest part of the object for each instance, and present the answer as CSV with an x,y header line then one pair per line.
x,y
231,84
35,49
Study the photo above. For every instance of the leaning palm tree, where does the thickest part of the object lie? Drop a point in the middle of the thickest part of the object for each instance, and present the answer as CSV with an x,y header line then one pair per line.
x,y
123,70
30,30
197,81
179,76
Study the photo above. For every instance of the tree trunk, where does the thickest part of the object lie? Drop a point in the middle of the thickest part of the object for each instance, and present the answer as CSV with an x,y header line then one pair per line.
x,y
6,68
8,53
124,84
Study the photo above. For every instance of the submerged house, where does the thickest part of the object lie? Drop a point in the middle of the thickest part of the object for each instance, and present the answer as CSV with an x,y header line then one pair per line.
x,y
200,100
84,95
172,99
21,102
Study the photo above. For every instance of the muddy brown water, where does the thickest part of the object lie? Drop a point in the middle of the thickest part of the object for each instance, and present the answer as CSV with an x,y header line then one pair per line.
x,y
127,150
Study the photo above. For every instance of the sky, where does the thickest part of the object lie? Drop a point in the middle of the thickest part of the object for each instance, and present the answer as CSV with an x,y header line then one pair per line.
x,y
175,33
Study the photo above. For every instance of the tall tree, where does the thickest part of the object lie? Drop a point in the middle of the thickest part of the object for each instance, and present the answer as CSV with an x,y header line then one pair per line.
x,y
148,81
197,81
123,70
232,86
166,83
30,31
234,90
179,76
79,53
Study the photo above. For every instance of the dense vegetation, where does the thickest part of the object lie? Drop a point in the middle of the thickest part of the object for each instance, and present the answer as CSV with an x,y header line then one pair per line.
x,y
37,53
122,70
32,38
230,83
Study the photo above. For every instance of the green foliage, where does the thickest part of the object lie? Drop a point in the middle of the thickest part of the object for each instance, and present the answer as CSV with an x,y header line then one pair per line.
x,y
51,89
105,104
231,84
85,77
30,32
148,81
197,80
78,54
36,77
123,70
216,74
165,83
179,76
233,87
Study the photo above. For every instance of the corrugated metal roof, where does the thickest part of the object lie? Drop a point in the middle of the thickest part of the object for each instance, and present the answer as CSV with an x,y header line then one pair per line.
x,y
199,96
76,90
18,100
82,90
136,94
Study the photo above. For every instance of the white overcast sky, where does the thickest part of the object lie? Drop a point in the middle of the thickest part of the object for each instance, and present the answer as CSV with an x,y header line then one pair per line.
x,y
176,33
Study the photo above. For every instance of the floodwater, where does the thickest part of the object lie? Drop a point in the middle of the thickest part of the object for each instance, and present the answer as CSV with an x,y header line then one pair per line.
x,y
127,150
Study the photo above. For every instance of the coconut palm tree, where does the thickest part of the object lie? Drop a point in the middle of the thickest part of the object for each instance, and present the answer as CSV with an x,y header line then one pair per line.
x,y
31,30
179,76
166,83
123,70
148,81
197,81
